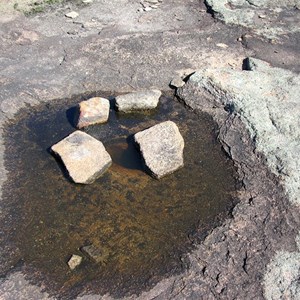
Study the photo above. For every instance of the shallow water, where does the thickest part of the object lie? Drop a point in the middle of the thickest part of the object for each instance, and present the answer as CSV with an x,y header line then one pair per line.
x,y
142,225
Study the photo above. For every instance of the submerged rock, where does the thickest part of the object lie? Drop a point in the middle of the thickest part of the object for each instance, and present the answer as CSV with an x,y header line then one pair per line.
x,y
93,111
74,261
84,157
142,100
161,147
97,254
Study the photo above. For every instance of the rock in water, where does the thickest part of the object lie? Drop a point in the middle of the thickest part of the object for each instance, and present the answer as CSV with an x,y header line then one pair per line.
x,y
74,261
99,255
93,111
84,157
161,147
142,100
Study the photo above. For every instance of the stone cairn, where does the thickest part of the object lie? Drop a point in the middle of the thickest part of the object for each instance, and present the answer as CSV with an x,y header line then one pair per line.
x,y
86,158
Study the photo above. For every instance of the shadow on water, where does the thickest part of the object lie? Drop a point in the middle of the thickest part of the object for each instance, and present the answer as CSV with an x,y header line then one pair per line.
x,y
142,225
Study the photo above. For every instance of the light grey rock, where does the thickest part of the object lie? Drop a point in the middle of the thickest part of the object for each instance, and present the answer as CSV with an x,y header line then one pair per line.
x,y
142,100
246,12
161,147
268,101
93,111
72,15
74,261
177,82
281,280
84,157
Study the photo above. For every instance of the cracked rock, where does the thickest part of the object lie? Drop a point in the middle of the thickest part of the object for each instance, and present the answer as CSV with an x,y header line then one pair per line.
x,y
161,147
93,111
142,100
84,157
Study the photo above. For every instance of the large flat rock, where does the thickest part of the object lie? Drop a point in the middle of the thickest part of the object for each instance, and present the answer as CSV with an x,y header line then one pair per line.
x,y
142,100
93,111
162,148
84,157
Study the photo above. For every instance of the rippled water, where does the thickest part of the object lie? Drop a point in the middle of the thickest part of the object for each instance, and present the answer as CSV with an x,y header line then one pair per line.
x,y
143,226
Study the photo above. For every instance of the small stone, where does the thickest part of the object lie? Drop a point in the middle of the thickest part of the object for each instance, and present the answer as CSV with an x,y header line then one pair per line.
x,y
142,100
74,261
154,6
96,253
152,1
147,8
177,82
87,1
262,16
72,15
221,45
93,111
161,147
84,157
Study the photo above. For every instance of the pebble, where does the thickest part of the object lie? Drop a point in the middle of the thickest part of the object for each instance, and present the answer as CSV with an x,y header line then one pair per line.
x,y
87,1
74,261
72,15
147,8
221,45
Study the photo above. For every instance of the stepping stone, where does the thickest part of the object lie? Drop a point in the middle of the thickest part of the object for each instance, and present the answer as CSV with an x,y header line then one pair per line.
x,y
142,100
161,147
74,261
93,111
84,157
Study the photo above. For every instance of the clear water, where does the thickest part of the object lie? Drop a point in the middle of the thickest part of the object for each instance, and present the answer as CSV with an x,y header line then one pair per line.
x,y
144,226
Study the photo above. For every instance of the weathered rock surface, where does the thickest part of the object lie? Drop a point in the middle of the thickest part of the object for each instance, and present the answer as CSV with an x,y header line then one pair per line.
x,y
93,111
281,280
142,100
74,261
258,15
84,157
161,147
268,101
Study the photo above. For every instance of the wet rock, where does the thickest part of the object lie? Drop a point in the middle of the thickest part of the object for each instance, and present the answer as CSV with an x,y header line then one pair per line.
x,y
142,100
267,99
84,157
97,254
74,261
93,111
177,82
72,15
161,147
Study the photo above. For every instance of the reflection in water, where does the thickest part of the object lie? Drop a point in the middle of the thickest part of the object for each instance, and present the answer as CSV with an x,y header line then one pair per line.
x,y
142,225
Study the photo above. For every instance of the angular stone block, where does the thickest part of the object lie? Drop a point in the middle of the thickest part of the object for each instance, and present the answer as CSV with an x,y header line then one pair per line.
x,y
161,147
84,157
74,261
93,111
142,100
